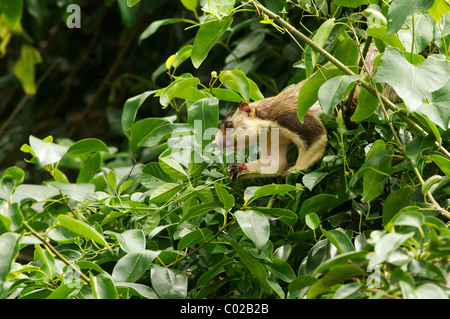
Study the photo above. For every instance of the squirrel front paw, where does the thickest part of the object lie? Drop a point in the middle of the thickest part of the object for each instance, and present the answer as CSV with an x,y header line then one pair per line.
x,y
236,169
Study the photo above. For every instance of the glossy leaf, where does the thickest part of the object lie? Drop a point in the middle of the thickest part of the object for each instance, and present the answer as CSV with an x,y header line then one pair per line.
x,y
168,283
255,225
308,94
253,265
396,201
86,146
321,37
207,36
412,83
195,237
339,239
46,152
9,250
332,92
103,287
132,266
399,10
312,220
81,228
130,109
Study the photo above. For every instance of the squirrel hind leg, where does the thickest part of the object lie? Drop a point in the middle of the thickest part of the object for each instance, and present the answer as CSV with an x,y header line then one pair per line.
x,y
309,157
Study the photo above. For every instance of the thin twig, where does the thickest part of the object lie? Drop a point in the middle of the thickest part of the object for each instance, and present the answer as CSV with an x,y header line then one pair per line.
x,y
56,253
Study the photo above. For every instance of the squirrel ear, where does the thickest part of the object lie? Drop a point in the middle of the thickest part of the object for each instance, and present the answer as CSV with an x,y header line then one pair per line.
x,y
245,107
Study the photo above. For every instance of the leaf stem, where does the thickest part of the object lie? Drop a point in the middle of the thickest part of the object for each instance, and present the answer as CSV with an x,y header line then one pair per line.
x,y
55,252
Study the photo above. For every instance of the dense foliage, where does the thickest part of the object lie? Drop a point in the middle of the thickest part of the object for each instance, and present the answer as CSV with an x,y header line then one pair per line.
x,y
159,218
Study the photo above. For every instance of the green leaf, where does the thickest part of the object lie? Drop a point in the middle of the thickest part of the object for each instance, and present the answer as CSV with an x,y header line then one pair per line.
x,y
11,216
254,266
348,291
269,190
238,82
142,130
162,133
255,225
437,109
12,10
207,36
219,8
81,228
131,3
46,152
78,192
387,244
168,283
339,240
206,113
24,67
415,148
430,291
195,237
199,210
319,204
9,250
190,4
172,168
430,182
155,25
375,178
412,83
312,220
47,258
131,240
399,10
209,275
407,216
379,31
443,163
351,3
285,215
86,146
130,109
65,291
299,283
310,180
354,257
165,192
369,164
133,265
438,9
321,37
333,277
103,286
138,290
90,168
332,92
309,91
174,89
396,201
36,192
11,178
227,200
182,55
367,105
417,39
282,270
